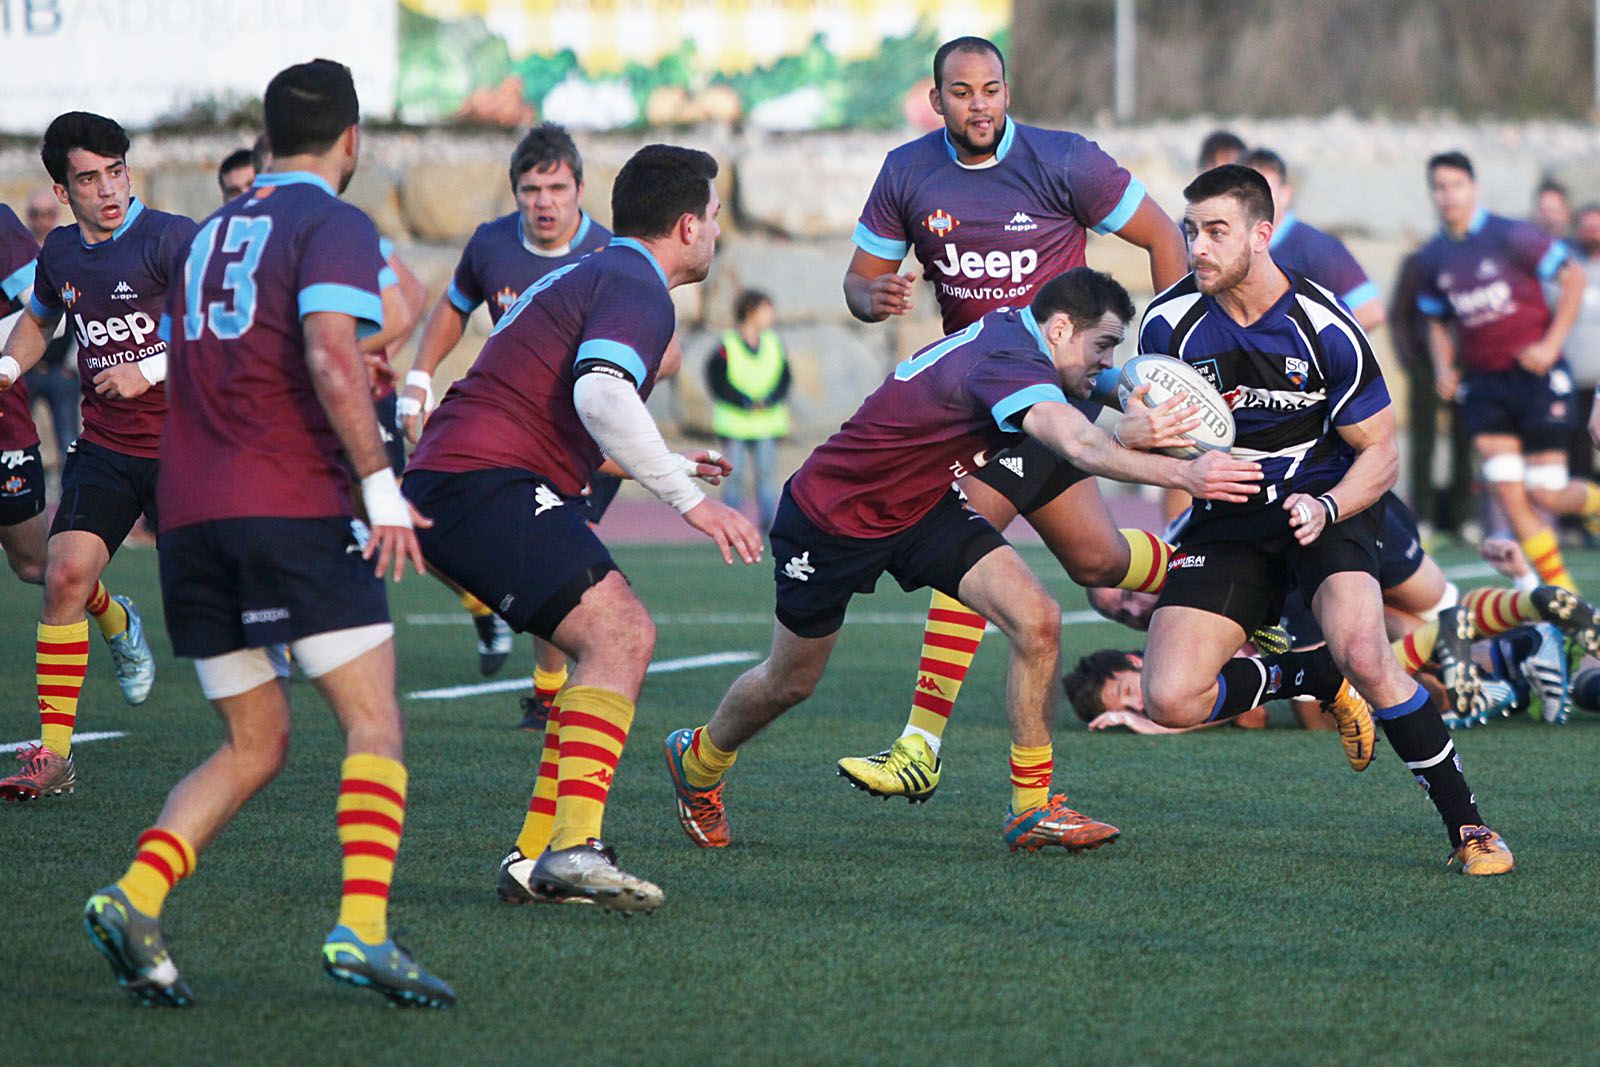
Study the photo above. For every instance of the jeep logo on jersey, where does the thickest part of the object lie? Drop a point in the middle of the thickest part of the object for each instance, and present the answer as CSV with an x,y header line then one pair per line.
x,y
941,222
998,265
134,326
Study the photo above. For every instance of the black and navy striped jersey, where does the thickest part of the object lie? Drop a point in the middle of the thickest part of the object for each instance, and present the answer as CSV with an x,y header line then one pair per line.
x,y
1292,377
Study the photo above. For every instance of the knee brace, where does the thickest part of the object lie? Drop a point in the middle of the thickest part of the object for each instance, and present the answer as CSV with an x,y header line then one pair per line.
x,y
1506,467
321,653
233,673
1551,476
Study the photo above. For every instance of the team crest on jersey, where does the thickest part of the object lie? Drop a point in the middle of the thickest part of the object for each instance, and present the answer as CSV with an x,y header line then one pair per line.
x,y
941,222
1296,370
506,297
69,295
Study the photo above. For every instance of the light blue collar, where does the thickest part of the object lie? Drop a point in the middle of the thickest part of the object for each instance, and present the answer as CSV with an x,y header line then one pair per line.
x,y
1000,150
629,242
1479,217
135,209
294,177
1282,229
1032,326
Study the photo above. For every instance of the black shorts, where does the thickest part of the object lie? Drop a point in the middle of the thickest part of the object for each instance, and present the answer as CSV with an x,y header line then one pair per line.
x,y
394,442
1400,556
818,572
21,485
602,491
104,492
248,583
1247,580
1029,475
1540,410
508,538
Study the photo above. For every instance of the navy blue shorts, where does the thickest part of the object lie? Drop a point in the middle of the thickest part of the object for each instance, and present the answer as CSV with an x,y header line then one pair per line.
x,y
1400,556
248,583
508,538
394,441
818,572
21,485
602,491
1028,475
1540,410
104,492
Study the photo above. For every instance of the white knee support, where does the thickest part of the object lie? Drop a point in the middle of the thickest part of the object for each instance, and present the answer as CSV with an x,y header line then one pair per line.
x,y
1451,597
1506,467
233,673
321,653
1551,476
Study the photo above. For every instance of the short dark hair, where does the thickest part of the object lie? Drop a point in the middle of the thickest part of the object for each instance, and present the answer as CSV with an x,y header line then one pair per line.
x,y
80,129
657,186
1084,682
239,157
970,46
309,105
1266,159
1244,184
1217,142
1590,208
1084,295
747,302
1551,185
1455,160
542,148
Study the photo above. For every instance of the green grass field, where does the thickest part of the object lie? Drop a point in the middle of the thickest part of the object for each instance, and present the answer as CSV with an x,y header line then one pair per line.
x,y
1264,904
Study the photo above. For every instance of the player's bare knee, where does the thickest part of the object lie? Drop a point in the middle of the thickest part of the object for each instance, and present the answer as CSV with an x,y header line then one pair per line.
x,y
1365,659
69,580
27,568
790,687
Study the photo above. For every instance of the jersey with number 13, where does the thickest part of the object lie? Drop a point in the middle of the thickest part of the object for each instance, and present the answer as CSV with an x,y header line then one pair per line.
x,y
246,436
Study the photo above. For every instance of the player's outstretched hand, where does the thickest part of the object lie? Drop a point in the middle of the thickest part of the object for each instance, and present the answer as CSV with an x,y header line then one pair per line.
x,y
730,530
1131,720
398,543
122,382
891,294
707,464
1163,426
1308,516
1218,476
1505,556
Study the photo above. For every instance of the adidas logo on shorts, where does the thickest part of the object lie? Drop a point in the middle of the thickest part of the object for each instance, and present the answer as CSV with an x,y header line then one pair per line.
x,y
1012,464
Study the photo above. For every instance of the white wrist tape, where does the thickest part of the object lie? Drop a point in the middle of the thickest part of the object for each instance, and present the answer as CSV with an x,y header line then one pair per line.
x,y
620,424
154,368
421,379
10,368
691,466
385,506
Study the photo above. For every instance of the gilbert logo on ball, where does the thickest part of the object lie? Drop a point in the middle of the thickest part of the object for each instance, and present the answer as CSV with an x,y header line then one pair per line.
x,y
1167,377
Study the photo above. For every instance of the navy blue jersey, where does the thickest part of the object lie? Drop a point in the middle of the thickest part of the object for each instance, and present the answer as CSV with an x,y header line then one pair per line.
x,y
1291,378
1322,257
499,263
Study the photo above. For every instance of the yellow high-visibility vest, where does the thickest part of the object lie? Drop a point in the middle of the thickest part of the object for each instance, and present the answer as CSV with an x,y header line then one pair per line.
x,y
754,374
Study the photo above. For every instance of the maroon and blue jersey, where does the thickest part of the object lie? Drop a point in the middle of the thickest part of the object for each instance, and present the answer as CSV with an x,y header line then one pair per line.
x,y
246,435
1292,378
18,251
499,263
514,408
112,294
1322,257
935,419
1488,282
987,235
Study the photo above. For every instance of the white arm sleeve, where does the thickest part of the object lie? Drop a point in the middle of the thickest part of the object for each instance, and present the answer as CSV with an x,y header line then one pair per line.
x,y
617,419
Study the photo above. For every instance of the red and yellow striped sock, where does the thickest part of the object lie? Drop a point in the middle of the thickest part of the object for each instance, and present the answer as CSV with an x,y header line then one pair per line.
x,y
163,860
546,684
62,657
1031,770
111,617
704,763
950,638
475,607
1545,555
1148,557
541,817
1498,611
594,727
1591,497
371,817
1415,649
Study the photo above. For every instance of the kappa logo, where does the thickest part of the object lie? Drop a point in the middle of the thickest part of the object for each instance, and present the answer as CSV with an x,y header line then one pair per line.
x,y
13,459
260,615
544,498
1296,370
928,685
69,295
45,705
941,222
1021,223
124,291
602,776
799,567
1012,464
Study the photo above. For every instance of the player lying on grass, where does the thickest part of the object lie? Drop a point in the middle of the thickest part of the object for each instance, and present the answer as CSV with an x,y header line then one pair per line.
x,y
876,498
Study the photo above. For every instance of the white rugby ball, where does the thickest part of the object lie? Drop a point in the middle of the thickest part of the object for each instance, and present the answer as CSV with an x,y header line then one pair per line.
x,y
1167,377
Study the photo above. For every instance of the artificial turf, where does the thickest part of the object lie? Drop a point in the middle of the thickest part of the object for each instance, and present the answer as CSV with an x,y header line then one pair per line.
x,y
1264,905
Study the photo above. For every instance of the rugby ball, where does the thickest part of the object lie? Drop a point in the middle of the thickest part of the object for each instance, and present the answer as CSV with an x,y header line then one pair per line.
x,y
1167,377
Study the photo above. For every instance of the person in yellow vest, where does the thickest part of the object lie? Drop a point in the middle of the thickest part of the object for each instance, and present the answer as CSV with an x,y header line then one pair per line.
x,y
748,376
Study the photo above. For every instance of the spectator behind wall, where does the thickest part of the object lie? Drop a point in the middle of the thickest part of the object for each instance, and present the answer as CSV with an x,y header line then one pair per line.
x,y
748,376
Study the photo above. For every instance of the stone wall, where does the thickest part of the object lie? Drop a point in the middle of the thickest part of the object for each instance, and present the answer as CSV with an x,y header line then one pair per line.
x,y
791,203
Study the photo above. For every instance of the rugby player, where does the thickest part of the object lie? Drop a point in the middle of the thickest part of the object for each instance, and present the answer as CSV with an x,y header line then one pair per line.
x,y
1496,349
876,498
1310,402
236,173
546,232
559,385
991,208
1219,147
261,547
108,274
22,529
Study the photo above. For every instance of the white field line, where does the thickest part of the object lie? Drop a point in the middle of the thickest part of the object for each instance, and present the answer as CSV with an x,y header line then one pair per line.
x,y
77,739
511,685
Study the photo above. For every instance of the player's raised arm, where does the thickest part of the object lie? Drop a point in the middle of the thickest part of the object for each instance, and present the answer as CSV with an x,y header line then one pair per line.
x,y
1153,230
874,289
